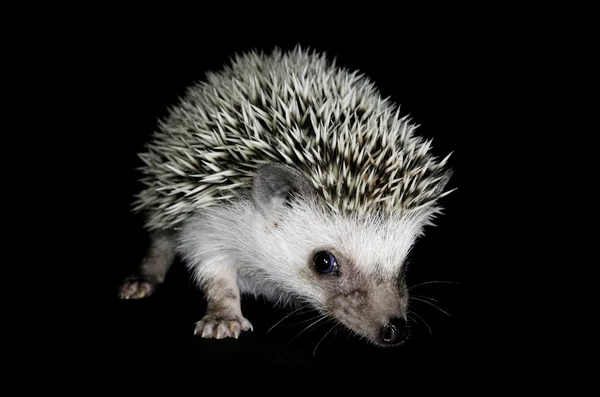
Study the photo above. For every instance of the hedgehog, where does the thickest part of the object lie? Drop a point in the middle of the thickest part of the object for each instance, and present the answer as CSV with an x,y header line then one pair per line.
x,y
285,175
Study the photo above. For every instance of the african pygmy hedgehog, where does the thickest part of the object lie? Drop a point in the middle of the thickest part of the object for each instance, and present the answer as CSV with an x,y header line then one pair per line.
x,y
286,176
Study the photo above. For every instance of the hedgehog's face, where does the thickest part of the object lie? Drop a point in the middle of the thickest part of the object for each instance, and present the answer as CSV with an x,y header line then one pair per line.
x,y
371,305
348,267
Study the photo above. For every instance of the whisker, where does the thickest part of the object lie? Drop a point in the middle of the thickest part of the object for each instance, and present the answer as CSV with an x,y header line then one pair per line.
x,y
409,317
424,322
278,322
427,297
306,320
432,282
322,317
331,329
432,304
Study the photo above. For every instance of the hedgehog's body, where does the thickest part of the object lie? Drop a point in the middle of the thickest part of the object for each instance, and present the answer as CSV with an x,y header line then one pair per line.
x,y
288,177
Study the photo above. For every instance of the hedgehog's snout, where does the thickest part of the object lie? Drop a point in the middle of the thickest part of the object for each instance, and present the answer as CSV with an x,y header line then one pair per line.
x,y
394,332
377,312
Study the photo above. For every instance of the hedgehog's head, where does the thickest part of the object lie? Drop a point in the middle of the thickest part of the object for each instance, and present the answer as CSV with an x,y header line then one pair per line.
x,y
349,267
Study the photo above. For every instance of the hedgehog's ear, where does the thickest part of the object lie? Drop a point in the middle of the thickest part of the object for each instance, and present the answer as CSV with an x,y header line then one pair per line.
x,y
274,185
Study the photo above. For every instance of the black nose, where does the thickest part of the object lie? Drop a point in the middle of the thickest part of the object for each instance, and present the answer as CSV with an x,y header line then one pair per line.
x,y
394,331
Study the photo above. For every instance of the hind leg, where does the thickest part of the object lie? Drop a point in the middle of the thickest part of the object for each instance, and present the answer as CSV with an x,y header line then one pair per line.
x,y
152,271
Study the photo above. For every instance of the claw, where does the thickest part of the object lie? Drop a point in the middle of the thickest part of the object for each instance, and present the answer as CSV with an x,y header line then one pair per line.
x,y
235,329
219,329
208,331
135,288
222,331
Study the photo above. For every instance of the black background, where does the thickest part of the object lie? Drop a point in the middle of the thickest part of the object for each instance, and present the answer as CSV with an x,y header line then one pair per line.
x,y
484,82
135,74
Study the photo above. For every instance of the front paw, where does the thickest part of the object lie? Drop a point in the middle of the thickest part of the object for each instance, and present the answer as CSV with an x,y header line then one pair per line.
x,y
220,327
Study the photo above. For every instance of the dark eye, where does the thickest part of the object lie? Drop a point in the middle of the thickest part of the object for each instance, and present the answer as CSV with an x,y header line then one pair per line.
x,y
325,262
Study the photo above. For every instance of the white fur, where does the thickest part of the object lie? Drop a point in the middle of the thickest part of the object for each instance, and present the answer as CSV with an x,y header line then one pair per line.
x,y
274,261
